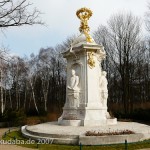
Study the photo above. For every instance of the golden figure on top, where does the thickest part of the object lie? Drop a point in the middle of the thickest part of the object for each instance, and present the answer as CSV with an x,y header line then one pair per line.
x,y
84,14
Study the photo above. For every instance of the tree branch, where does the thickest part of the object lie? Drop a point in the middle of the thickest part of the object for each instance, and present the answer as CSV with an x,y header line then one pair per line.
x,y
17,14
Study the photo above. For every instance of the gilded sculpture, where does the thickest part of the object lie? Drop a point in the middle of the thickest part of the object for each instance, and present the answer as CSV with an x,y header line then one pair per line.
x,y
84,14
91,61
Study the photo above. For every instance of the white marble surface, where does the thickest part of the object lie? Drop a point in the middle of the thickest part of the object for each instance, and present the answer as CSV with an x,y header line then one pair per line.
x,y
86,91
81,39
57,134
53,128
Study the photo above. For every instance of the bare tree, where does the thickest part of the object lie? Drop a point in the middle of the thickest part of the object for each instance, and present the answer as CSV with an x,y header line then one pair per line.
x,y
121,39
32,78
16,13
2,68
51,69
148,18
2,93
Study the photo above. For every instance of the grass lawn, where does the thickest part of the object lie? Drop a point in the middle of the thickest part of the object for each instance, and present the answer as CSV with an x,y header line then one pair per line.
x,y
17,135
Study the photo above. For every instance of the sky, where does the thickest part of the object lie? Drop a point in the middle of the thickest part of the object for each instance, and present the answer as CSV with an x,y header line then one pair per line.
x,y
61,22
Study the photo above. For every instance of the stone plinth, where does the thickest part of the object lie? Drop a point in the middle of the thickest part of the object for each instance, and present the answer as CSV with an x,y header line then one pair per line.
x,y
86,91
57,134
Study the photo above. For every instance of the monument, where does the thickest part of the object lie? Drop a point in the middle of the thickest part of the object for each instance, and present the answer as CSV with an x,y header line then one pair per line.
x,y
85,108
86,91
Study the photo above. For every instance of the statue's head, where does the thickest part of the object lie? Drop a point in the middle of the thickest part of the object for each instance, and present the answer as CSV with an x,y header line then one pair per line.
x,y
104,73
73,72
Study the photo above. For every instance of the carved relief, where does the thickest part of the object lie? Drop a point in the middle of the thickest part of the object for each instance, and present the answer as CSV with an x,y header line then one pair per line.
x,y
73,99
101,54
70,117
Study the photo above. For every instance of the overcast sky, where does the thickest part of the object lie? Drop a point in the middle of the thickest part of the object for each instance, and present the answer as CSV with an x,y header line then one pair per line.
x,y
61,20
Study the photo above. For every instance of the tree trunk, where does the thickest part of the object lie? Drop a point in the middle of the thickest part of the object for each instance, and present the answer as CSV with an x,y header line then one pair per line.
x,y
2,98
10,99
33,94
45,88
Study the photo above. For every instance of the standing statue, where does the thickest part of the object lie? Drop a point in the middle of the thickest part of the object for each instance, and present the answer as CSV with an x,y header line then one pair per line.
x,y
103,88
73,90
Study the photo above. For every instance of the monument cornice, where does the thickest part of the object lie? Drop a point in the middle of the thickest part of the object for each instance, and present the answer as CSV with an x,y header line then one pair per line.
x,y
82,49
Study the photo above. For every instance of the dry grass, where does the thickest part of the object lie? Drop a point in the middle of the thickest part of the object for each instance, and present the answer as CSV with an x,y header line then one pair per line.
x,y
41,119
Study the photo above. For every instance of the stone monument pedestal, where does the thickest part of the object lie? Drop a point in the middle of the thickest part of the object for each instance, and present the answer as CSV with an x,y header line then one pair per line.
x,y
86,91
86,103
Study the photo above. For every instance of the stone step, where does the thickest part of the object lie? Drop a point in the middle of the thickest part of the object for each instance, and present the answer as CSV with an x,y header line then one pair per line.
x,y
52,135
53,140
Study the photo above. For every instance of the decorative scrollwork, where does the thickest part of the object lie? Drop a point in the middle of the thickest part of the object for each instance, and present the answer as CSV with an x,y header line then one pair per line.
x,y
91,61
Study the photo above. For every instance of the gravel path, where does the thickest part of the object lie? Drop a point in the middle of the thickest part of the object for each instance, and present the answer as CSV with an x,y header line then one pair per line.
x,y
10,147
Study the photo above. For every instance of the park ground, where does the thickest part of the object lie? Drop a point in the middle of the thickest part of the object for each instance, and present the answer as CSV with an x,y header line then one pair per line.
x,y
10,147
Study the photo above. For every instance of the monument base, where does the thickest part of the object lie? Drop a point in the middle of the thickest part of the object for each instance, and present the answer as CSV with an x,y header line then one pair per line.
x,y
112,121
88,123
56,134
88,116
69,122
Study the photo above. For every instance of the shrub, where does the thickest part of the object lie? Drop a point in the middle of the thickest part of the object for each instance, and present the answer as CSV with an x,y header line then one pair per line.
x,y
14,117
137,114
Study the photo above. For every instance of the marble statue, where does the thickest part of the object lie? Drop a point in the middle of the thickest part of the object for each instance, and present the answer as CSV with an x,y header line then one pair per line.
x,y
73,90
74,81
103,88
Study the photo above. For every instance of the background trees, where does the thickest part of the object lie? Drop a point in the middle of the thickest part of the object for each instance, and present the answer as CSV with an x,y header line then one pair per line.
x,y
148,18
37,84
14,13
127,61
121,39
